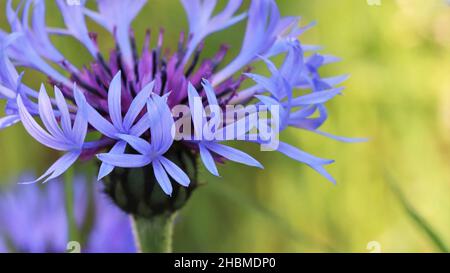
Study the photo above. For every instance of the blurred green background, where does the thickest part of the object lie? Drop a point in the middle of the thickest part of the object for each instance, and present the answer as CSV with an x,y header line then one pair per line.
x,y
398,56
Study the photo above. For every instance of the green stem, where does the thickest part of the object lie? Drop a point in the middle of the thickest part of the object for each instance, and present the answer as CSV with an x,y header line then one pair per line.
x,y
153,235
68,188
420,221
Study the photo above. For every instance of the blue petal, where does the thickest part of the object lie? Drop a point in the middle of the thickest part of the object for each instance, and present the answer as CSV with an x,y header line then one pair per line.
x,y
62,164
278,85
162,125
100,123
156,126
310,123
125,160
263,82
97,120
47,114
175,172
113,17
105,168
141,126
66,122
36,131
216,120
333,81
6,92
283,113
115,101
210,93
321,170
197,110
247,122
301,156
233,154
137,105
80,125
22,50
293,64
161,177
58,168
137,143
317,97
8,121
8,72
202,22
260,36
312,161
76,24
208,160
38,33
342,139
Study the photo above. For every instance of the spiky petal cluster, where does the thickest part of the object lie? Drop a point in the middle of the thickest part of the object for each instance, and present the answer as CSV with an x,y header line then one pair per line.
x,y
127,99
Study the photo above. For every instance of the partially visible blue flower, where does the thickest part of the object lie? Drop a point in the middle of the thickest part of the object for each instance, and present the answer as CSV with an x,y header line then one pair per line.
x,y
34,219
32,45
116,16
279,88
161,125
75,22
262,31
119,125
202,22
10,85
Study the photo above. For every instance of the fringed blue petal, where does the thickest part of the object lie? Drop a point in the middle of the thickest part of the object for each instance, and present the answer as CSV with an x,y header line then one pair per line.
x,y
116,16
202,22
105,168
162,177
175,172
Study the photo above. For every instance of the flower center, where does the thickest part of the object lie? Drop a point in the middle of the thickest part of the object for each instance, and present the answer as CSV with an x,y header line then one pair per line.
x,y
169,70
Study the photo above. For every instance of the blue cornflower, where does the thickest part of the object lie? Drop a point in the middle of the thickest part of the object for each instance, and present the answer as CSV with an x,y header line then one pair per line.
x,y
35,220
119,125
110,94
161,124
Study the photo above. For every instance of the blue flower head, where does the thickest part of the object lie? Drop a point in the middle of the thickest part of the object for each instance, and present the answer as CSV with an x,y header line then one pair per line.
x,y
127,100
35,219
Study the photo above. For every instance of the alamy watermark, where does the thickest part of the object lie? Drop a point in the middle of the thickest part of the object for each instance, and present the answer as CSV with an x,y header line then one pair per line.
x,y
253,123
374,247
374,2
73,247
73,2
